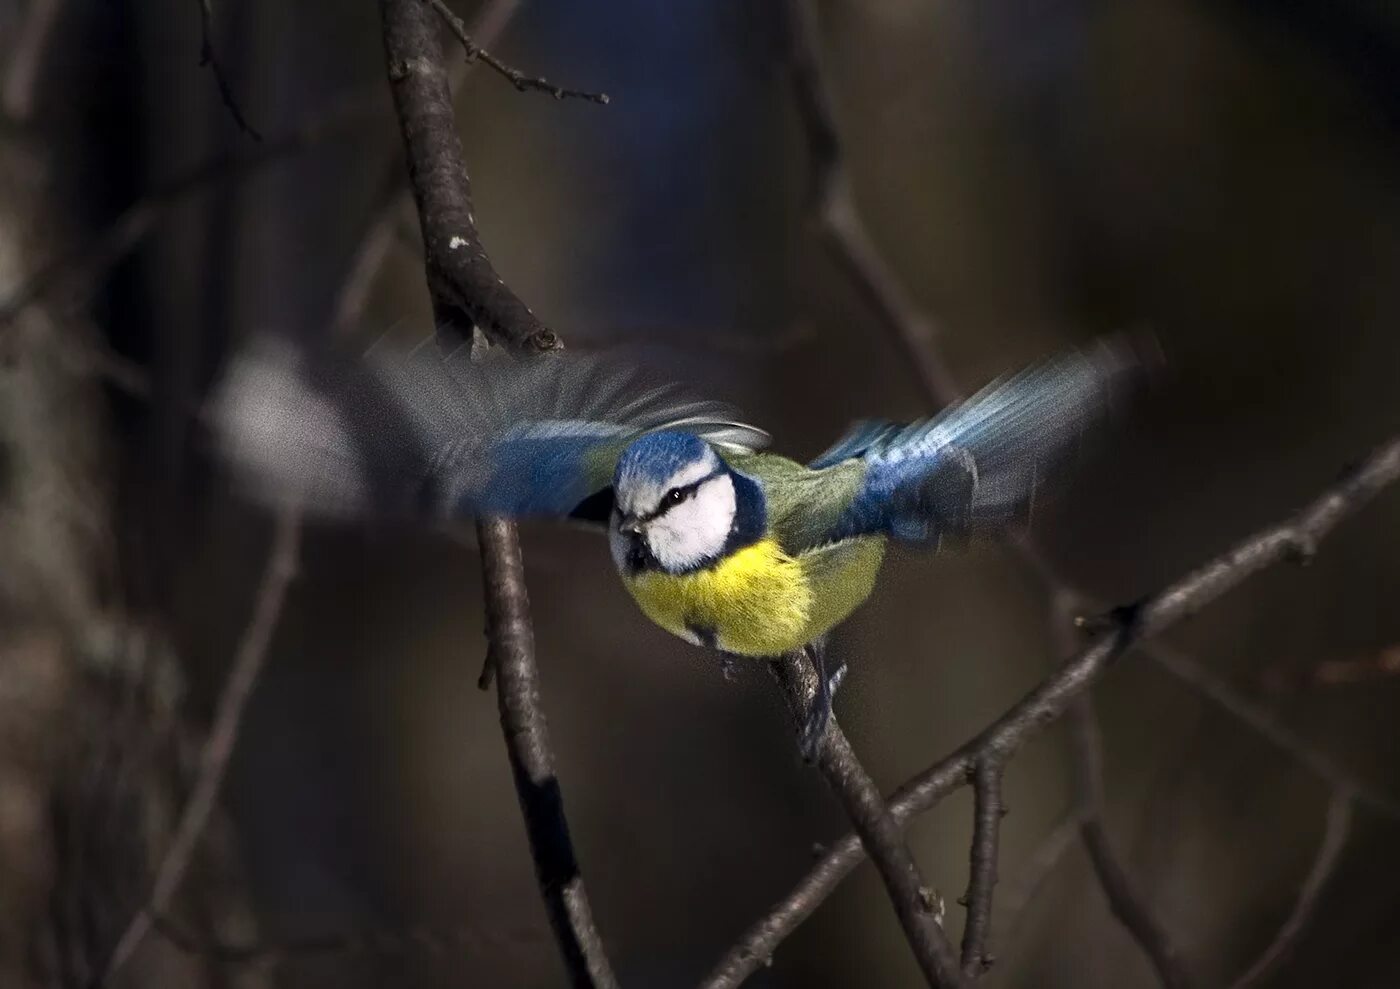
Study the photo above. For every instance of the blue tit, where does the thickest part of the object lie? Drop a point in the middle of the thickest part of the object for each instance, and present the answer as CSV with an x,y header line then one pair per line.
x,y
730,547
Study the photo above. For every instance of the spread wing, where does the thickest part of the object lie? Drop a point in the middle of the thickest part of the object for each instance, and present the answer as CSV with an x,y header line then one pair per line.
x,y
977,466
418,434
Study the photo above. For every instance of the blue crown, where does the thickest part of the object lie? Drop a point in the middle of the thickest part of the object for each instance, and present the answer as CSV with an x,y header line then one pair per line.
x,y
656,456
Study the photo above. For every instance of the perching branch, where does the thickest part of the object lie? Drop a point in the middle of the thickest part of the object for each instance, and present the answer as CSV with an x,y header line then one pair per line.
x,y
209,57
218,747
914,903
514,76
1329,855
1297,538
467,292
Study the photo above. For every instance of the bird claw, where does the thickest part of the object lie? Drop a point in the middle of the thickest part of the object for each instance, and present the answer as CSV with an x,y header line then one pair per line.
x,y
814,727
818,717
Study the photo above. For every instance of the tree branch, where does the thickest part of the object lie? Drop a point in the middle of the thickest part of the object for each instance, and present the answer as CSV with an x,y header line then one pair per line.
x,y
394,200
514,76
987,813
466,291
1290,540
836,218
88,261
465,287
1031,880
20,84
209,57
1329,855
1265,724
914,902
1124,899
218,747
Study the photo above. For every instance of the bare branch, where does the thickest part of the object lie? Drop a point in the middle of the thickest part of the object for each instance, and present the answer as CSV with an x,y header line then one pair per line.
x,y
1049,699
982,875
1261,721
1027,884
914,902
394,200
209,56
467,292
1329,856
465,287
1382,664
518,79
836,217
19,86
218,747
531,758
88,261
1124,899
412,940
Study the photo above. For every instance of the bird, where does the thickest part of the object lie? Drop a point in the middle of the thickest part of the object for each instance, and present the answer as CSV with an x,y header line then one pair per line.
x,y
721,542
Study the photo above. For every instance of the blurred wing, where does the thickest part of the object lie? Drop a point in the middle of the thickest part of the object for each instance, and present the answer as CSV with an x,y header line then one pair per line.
x,y
977,466
423,435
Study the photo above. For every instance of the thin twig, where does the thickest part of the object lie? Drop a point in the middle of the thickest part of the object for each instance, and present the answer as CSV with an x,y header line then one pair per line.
x,y
413,940
833,208
982,875
914,902
218,747
466,291
1296,538
88,261
1260,720
394,200
518,79
1021,892
209,56
1124,899
1329,856
27,57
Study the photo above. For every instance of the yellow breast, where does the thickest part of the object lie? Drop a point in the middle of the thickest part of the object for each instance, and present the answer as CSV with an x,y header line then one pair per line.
x,y
754,602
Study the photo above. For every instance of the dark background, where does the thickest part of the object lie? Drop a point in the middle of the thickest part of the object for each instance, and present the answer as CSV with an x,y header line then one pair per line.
x,y
1223,174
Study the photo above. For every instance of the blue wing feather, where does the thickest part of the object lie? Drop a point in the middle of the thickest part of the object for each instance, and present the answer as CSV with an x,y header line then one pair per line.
x,y
977,466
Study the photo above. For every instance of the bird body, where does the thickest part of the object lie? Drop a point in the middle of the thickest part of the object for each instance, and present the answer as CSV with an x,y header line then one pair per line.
x,y
781,591
729,547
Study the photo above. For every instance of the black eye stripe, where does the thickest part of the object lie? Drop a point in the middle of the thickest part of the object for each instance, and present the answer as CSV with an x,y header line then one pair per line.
x,y
685,492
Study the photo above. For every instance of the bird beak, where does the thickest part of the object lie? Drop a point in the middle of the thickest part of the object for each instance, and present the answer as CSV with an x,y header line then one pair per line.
x,y
629,526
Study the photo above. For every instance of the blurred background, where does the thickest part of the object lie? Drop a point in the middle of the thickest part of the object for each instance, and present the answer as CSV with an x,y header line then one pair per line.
x,y
1036,175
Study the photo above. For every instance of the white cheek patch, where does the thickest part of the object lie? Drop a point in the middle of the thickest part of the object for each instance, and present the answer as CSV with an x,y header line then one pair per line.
x,y
695,530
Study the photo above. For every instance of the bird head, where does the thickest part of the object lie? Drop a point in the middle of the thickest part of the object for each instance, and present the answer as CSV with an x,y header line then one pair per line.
x,y
675,504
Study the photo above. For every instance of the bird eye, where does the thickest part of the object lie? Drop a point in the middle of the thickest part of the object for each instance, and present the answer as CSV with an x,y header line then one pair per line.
x,y
673,497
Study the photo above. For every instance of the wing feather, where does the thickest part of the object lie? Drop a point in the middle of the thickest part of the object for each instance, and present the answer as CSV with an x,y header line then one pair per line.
x,y
977,467
422,434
